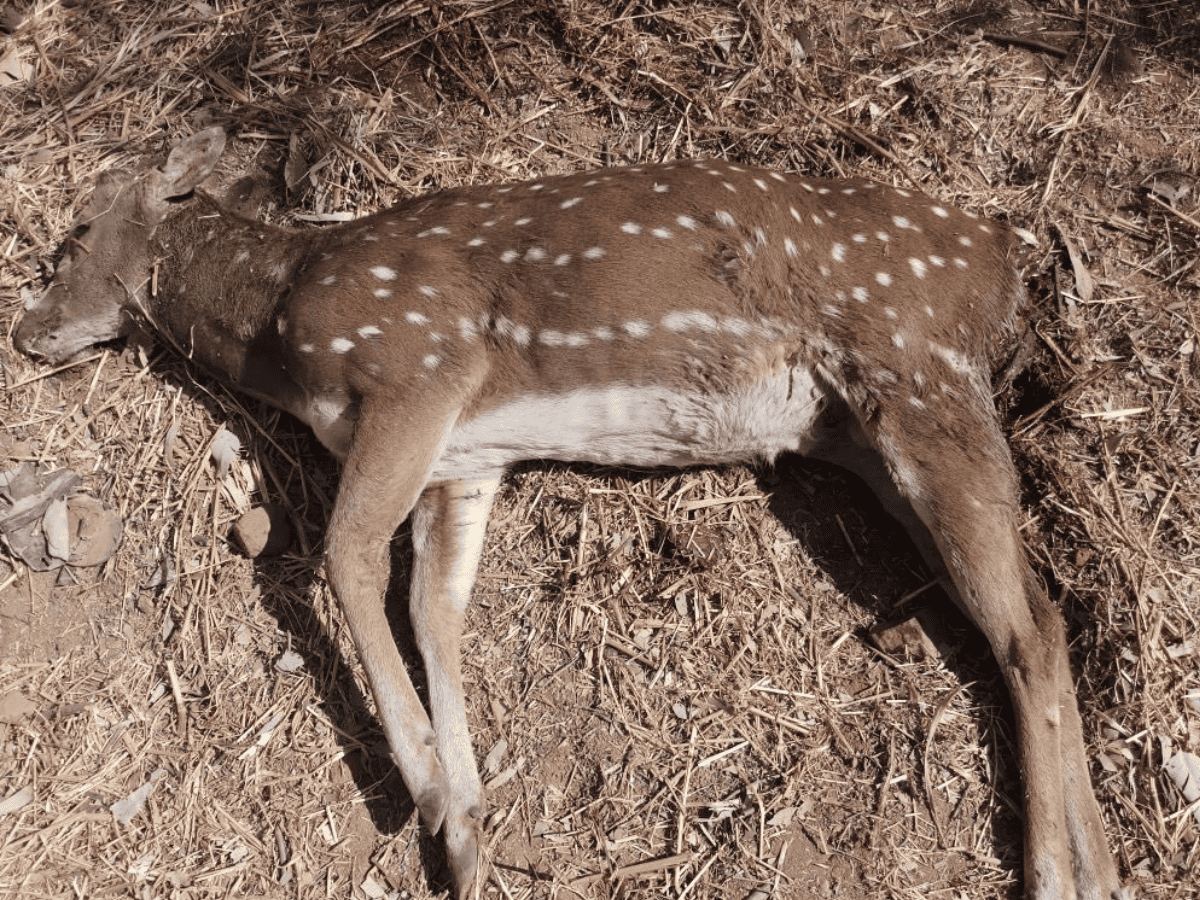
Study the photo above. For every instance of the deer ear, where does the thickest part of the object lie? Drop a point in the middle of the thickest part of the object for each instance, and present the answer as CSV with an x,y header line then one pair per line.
x,y
190,162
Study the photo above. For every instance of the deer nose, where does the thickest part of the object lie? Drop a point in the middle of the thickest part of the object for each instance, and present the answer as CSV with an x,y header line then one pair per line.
x,y
31,342
38,331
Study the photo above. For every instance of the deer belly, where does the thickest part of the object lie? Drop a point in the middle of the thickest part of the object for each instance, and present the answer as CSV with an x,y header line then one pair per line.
x,y
642,426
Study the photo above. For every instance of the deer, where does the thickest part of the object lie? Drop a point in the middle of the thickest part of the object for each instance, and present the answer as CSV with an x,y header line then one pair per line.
x,y
695,312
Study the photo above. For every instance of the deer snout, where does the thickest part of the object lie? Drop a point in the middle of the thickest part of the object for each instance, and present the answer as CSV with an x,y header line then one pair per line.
x,y
37,331
50,331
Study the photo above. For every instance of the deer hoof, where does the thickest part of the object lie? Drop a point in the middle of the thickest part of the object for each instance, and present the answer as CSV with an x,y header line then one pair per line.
x,y
463,843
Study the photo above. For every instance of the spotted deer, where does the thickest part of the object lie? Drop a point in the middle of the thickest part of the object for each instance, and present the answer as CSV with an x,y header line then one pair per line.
x,y
660,315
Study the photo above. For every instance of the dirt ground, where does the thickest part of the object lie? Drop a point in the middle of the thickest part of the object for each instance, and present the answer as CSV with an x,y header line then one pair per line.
x,y
671,684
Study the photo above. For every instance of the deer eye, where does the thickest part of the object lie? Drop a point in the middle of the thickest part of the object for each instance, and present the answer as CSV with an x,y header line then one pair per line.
x,y
78,233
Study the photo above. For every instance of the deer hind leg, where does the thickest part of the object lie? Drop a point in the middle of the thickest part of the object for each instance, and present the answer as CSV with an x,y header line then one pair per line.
x,y
954,468
839,439
381,482
449,525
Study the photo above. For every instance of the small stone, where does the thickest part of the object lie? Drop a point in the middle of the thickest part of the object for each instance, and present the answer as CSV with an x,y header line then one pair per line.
x,y
906,640
95,531
264,531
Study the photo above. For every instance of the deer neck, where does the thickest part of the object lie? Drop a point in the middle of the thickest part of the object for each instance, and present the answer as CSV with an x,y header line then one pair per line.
x,y
218,286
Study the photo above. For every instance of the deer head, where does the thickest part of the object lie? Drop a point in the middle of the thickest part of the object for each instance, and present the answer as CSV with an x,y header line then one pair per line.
x,y
105,276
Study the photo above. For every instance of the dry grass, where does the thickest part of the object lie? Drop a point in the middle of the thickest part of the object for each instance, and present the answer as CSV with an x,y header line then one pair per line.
x,y
668,674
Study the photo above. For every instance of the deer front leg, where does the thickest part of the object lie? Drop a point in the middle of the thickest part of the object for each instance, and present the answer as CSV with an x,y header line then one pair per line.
x,y
449,525
381,481
959,477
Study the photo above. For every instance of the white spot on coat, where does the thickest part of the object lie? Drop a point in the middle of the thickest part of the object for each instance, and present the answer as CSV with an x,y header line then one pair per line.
x,y
383,273
636,328
736,326
953,358
341,345
683,321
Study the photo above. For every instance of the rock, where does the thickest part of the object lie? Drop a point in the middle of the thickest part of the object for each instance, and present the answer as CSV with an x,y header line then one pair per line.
x,y
264,531
907,640
95,531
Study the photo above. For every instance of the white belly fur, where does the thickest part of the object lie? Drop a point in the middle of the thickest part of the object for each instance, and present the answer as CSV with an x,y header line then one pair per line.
x,y
646,426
